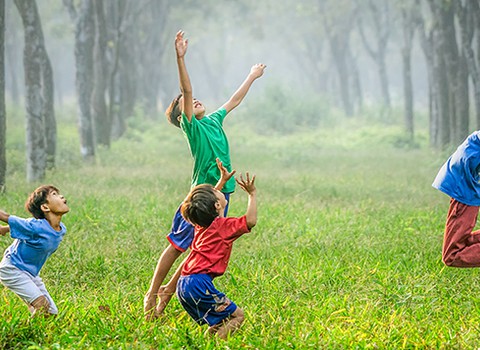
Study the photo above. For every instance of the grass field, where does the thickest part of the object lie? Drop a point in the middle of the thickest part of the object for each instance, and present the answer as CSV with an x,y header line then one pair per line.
x,y
346,253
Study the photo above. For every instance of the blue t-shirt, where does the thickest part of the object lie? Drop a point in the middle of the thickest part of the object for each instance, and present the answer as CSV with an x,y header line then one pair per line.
x,y
207,141
459,176
35,241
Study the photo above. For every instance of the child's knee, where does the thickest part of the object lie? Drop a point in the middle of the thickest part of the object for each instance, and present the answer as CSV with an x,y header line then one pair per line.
x,y
238,315
174,252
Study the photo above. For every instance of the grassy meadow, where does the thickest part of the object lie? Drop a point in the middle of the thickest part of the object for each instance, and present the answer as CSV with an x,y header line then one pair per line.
x,y
346,253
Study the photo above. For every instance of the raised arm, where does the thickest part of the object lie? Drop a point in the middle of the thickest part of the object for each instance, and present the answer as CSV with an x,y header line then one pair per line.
x,y
255,72
224,175
248,185
181,46
4,216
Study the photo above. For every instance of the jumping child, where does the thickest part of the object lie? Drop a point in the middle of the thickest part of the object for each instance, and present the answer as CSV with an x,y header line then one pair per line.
x,y
459,178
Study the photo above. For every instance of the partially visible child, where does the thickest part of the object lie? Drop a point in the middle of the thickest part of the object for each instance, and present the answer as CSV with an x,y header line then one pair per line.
x,y
210,254
459,178
35,240
207,141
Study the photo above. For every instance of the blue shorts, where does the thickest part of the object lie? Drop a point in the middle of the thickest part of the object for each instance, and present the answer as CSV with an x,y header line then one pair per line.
x,y
202,301
181,233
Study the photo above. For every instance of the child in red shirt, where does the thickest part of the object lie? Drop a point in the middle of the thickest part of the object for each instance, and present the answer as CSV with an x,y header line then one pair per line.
x,y
210,252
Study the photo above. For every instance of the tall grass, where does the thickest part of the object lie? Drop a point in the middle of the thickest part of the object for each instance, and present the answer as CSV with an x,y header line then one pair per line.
x,y
346,253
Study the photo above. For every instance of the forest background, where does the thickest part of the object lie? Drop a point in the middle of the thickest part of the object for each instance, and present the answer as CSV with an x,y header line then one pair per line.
x,y
360,104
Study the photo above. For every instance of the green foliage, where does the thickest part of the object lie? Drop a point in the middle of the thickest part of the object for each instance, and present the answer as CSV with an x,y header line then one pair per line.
x,y
283,110
346,253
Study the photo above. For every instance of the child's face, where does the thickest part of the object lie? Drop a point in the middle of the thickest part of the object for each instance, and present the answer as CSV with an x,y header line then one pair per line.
x,y
56,204
221,202
198,108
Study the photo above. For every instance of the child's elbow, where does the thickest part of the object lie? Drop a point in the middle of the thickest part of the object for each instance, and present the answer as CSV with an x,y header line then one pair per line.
x,y
251,223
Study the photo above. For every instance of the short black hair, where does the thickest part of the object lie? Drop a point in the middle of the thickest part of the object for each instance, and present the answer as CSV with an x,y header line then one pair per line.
x,y
199,206
37,198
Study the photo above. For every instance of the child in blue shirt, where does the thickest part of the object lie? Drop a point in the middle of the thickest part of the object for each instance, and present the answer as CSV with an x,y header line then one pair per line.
x,y
459,179
35,240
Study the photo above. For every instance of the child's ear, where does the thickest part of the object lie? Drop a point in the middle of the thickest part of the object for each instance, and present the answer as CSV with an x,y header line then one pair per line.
x,y
217,205
45,207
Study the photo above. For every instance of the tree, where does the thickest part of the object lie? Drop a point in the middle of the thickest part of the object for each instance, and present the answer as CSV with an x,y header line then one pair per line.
x,y
338,27
12,52
100,114
408,25
41,126
450,101
3,118
84,44
380,19
469,20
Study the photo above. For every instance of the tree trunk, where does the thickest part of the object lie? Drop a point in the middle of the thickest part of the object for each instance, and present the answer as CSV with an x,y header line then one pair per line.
x,y
442,95
462,100
428,48
338,51
116,18
35,124
408,32
356,86
3,117
99,106
381,29
48,110
338,33
12,55
84,43
476,20
150,67
449,49
469,21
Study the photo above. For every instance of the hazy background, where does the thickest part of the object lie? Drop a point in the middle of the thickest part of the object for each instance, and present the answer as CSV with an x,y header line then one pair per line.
x,y
226,38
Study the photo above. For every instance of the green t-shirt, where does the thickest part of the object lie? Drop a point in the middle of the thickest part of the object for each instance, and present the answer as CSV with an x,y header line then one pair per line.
x,y
207,141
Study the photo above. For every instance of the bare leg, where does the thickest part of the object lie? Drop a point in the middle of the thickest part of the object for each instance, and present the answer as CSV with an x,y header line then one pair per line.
x,y
229,325
164,264
461,246
166,292
40,306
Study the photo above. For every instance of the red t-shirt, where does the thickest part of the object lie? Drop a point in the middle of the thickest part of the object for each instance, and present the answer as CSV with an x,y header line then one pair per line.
x,y
212,246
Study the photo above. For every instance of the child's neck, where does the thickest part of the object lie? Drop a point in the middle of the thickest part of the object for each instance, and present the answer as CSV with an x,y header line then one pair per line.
x,y
54,221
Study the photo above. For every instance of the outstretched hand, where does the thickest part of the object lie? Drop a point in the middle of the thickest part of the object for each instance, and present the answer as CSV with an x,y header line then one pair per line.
x,y
181,44
4,230
149,303
225,175
247,184
257,70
